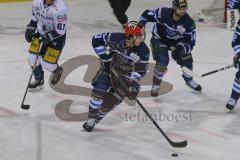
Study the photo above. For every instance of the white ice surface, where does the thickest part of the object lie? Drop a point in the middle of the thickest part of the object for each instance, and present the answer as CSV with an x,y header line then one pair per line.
x,y
212,134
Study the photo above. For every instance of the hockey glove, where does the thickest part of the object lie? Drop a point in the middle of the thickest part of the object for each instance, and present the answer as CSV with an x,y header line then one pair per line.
x,y
136,76
179,54
30,31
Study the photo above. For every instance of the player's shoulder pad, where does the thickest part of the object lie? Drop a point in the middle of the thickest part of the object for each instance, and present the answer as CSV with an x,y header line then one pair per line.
x,y
36,3
60,5
189,22
117,36
166,12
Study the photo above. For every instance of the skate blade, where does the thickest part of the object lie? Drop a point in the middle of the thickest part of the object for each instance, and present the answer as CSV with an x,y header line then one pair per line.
x,y
37,89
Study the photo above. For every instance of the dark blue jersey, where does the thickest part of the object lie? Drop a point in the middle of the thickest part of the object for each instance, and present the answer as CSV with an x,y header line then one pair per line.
x,y
233,4
116,43
236,40
170,32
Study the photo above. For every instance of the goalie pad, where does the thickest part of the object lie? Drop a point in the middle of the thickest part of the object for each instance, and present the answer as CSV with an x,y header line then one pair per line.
x,y
124,84
232,19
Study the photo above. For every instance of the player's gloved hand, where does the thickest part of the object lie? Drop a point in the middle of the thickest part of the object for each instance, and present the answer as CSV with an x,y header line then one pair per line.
x,y
102,53
106,58
105,62
29,33
236,61
133,92
136,76
177,52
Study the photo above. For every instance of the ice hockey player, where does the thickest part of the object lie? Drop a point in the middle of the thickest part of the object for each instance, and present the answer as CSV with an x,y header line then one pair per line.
x,y
47,34
233,8
174,31
119,9
236,61
125,54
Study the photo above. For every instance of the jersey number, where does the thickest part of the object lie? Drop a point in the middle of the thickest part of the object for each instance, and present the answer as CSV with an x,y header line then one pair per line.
x,y
61,26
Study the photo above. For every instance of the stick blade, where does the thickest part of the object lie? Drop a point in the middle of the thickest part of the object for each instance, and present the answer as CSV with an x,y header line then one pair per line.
x,y
25,106
179,144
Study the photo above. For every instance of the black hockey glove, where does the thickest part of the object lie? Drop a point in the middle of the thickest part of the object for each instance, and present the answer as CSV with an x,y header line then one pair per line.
x,y
49,37
105,63
30,31
179,54
236,61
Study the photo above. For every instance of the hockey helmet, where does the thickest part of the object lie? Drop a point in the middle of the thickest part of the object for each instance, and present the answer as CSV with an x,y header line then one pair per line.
x,y
179,3
133,28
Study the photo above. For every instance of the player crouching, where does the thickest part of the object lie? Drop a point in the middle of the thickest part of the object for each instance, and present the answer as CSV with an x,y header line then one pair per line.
x,y
47,34
126,62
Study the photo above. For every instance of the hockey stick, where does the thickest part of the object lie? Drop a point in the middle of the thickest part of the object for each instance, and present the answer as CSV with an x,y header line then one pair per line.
x,y
27,106
191,73
173,144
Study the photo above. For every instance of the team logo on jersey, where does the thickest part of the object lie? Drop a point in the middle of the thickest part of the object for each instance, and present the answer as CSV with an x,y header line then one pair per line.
x,y
171,34
62,18
44,16
181,29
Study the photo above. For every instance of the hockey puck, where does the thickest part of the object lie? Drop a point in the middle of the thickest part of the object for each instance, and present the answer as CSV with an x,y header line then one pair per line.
x,y
174,155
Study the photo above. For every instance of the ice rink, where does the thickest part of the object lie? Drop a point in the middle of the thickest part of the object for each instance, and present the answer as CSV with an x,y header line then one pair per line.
x,y
52,128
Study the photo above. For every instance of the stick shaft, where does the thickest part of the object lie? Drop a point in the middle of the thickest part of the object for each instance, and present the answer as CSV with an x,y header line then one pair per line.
x,y
150,117
30,78
217,70
173,144
25,94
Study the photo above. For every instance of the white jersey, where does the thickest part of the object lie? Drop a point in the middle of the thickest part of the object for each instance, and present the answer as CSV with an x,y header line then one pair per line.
x,y
50,18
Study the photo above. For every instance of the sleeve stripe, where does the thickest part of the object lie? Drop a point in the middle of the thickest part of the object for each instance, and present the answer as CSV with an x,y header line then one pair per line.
x,y
190,32
236,84
187,48
238,33
106,37
237,51
156,11
142,18
159,12
100,50
236,47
